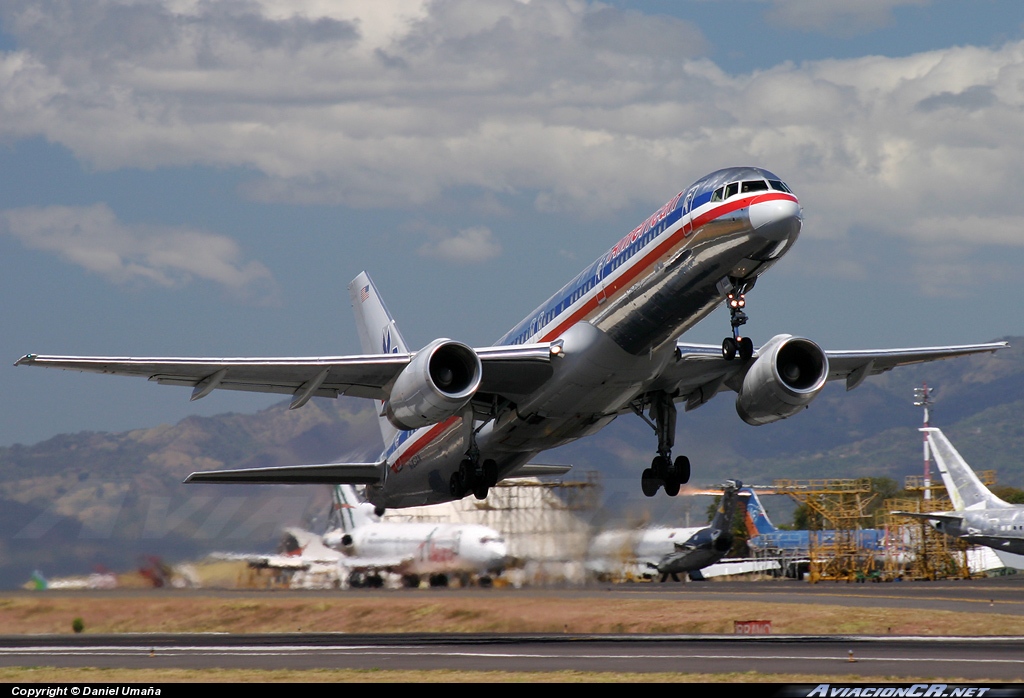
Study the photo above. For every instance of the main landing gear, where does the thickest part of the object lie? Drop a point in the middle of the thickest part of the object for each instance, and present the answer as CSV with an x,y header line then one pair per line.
x,y
474,476
737,345
664,472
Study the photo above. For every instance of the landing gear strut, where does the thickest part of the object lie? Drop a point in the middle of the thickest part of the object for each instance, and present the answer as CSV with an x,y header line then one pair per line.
x,y
731,346
473,475
664,472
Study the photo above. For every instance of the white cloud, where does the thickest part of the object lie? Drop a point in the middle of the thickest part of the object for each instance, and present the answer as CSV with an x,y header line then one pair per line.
x,y
91,237
584,107
464,247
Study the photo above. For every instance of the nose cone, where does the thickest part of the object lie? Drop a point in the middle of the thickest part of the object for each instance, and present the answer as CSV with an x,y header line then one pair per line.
x,y
777,220
497,554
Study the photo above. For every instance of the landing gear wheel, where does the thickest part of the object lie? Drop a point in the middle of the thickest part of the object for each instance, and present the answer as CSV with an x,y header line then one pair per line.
x,y
682,466
730,347
746,348
649,482
672,484
480,491
466,470
455,485
490,473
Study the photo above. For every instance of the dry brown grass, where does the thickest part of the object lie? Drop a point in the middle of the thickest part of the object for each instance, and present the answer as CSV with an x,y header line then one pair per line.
x,y
355,612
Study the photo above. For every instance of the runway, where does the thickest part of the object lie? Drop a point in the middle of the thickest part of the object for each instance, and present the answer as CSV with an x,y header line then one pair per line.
x,y
988,659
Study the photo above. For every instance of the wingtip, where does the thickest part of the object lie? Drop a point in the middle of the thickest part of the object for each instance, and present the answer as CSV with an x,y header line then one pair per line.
x,y
26,359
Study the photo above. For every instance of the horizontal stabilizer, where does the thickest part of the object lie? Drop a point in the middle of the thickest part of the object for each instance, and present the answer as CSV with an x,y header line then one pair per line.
x,y
539,470
323,474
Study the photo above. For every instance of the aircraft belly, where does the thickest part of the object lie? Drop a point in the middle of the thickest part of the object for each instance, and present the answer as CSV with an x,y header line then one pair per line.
x,y
679,293
424,477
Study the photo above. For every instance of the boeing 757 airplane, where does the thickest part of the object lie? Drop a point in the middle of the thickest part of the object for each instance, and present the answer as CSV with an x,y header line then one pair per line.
x,y
456,419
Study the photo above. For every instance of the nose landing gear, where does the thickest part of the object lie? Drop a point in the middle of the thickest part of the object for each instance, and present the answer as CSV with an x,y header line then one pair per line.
x,y
737,345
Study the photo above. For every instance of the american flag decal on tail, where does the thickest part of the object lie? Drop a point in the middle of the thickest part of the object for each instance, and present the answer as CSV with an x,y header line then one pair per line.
x,y
364,293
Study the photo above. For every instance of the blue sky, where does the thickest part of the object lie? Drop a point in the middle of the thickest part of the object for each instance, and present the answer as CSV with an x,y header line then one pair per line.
x,y
204,178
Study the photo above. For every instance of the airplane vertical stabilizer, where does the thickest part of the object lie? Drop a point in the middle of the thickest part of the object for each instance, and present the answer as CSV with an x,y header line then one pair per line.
x,y
350,510
965,489
757,520
378,333
726,507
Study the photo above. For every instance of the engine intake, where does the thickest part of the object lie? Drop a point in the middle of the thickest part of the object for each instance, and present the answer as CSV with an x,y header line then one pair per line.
x,y
438,382
785,378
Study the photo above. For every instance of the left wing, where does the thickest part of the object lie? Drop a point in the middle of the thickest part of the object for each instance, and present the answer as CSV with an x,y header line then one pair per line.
x,y
946,516
324,474
699,372
506,370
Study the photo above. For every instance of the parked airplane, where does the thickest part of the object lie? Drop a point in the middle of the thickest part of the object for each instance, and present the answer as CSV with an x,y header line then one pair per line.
x,y
765,536
978,517
641,553
708,545
456,420
360,547
633,553
413,550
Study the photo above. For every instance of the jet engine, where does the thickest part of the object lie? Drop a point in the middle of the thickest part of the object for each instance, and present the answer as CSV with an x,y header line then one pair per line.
x,y
438,382
789,373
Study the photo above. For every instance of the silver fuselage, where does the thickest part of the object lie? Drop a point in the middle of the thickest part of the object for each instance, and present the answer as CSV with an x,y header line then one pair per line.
x,y
1001,529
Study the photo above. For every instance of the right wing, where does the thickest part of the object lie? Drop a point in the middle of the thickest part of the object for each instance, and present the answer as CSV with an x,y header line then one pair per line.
x,y
699,372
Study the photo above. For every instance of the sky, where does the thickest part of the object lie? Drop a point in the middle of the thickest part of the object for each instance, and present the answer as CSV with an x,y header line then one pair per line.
x,y
204,178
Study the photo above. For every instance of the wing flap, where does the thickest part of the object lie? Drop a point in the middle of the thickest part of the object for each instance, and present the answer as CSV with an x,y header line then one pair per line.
x,y
322,474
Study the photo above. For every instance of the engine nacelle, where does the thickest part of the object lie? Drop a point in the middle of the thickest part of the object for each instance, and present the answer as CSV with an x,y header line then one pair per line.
x,y
438,382
789,373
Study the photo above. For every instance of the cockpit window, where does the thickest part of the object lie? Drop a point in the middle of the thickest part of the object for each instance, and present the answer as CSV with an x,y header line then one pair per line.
x,y
754,185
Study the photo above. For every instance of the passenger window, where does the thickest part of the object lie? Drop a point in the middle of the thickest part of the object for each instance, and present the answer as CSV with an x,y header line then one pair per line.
x,y
756,185
732,189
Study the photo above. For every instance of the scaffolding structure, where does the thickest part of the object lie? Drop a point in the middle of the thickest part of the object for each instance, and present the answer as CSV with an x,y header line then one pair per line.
x,y
837,511
915,550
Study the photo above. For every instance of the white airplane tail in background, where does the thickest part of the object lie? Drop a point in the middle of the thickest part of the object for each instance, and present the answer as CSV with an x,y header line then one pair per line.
x,y
350,510
965,489
378,333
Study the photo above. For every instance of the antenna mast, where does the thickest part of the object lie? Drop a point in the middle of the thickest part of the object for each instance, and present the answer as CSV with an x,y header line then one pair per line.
x,y
923,398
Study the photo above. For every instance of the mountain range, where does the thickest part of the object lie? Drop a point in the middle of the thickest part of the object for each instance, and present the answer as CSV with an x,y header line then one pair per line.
x,y
77,502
